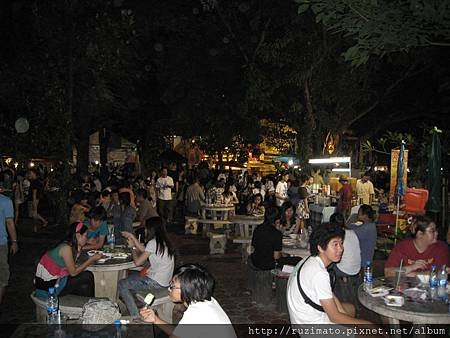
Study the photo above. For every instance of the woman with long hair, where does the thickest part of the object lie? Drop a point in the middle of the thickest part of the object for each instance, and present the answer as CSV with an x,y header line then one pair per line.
x,y
159,253
127,215
256,207
58,267
288,222
303,208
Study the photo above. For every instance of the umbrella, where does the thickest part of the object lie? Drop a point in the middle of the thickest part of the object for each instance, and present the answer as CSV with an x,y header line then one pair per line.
x,y
434,173
400,189
171,156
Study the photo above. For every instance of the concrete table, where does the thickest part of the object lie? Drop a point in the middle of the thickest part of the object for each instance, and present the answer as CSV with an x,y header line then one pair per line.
x,y
245,225
417,312
214,209
108,274
296,251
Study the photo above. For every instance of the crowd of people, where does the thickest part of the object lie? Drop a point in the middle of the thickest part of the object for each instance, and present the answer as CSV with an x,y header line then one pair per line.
x,y
321,289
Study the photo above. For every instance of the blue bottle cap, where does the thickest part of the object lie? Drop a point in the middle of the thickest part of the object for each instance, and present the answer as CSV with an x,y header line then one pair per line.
x,y
117,322
51,290
368,263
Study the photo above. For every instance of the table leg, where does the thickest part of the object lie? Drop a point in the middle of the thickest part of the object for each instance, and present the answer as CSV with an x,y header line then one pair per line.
x,y
393,324
106,283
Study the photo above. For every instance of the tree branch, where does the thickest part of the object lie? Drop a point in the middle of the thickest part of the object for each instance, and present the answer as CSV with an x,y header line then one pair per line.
x,y
231,32
261,39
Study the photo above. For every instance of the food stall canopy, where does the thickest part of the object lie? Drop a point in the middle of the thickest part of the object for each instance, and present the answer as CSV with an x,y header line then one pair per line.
x,y
330,160
336,160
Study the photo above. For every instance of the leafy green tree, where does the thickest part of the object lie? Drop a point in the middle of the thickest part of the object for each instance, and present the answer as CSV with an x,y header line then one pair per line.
x,y
379,27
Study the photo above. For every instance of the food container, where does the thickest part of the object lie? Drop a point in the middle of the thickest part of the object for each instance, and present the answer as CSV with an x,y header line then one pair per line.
x,y
394,300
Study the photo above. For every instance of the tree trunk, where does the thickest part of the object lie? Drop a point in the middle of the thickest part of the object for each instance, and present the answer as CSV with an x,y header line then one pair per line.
x,y
305,136
83,151
103,138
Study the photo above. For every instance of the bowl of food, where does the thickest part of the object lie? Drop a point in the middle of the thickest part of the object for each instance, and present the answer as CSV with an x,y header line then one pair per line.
x,y
424,278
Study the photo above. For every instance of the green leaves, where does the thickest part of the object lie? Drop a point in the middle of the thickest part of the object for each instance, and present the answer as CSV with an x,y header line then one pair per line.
x,y
379,27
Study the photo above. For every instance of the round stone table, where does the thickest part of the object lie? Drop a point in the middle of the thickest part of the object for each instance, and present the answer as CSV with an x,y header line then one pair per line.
x,y
108,274
423,312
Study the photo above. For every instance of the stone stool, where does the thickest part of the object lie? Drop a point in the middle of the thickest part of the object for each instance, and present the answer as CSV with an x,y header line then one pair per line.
x,y
191,225
280,292
260,282
217,243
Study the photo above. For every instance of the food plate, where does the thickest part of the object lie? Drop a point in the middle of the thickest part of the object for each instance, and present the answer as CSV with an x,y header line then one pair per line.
x,y
415,293
394,301
379,291
288,241
102,260
120,255
94,252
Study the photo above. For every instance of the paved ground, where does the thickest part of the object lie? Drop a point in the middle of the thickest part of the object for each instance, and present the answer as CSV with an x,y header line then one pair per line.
x,y
230,274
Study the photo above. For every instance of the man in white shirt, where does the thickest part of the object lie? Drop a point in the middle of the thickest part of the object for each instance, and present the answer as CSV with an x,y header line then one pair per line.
x,y
310,296
364,190
164,185
282,189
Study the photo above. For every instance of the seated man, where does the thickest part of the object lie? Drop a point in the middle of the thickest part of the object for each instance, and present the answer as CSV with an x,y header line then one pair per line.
x,y
97,229
366,233
146,209
420,252
267,243
310,296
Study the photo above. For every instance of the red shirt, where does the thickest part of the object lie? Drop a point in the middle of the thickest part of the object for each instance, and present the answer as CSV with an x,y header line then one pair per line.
x,y
436,254
345,197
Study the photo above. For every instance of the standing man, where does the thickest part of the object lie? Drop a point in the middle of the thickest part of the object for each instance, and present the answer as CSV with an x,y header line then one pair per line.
x,y
164,185
345,197
364,190
34,195
281,191
6,226
195,198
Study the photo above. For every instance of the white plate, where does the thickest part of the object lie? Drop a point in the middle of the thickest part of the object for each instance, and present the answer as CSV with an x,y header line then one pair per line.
x,y
102,260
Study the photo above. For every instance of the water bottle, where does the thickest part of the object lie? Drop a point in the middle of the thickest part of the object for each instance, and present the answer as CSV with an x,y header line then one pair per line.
x,y
118,326
368,277
52,307
434,283
112,239
442,283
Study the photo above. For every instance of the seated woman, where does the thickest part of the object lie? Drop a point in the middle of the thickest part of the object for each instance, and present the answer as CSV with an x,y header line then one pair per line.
x,y
418,253
58,269
256,207
228,196
289,223
125,220
193,285
159,252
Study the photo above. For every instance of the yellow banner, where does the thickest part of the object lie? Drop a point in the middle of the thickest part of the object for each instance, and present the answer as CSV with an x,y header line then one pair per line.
x,y
395,153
